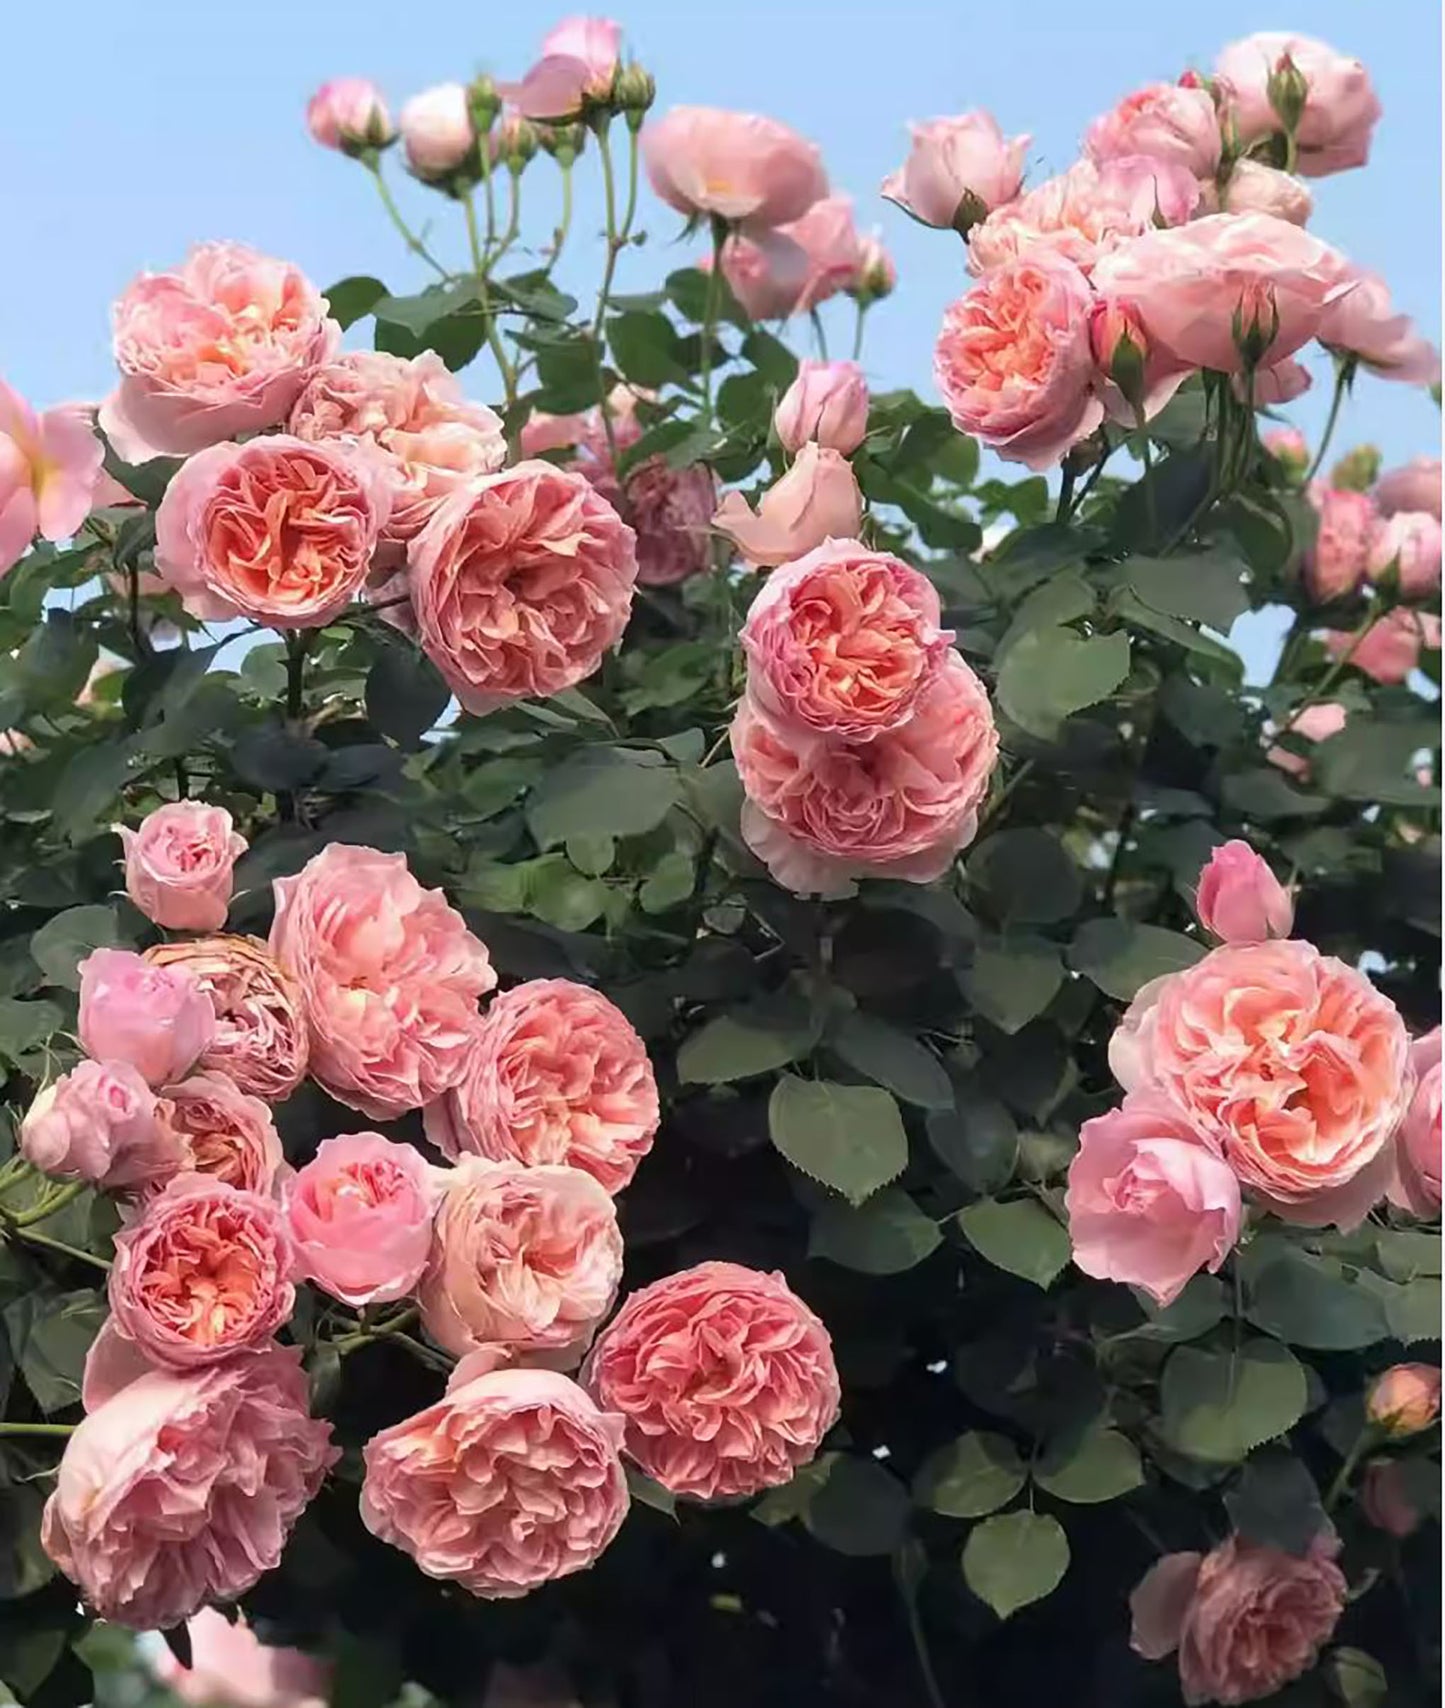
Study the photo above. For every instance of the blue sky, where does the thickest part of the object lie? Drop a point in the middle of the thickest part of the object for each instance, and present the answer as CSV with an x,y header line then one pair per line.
x,y
129,132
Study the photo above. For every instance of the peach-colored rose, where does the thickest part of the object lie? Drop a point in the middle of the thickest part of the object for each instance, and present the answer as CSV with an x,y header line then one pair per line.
x,y
1392,645
526,1258
1198,286
555,1075
1387,1498
1253,187
742,168
828,237
1164,121
1149,1202
182,1489
1340,109
725,1377
957,169
1315,723
578,64
1246,1619
49,467
1288,1060
437,136
349,114
220,347
360,1214
1363,323
389,975
411,413
555,1492
521,581
1413,486
98,1123
1416,1187
1349,526
260,1038
222,1132
178,865
823,812
1014,361
232,1668
1239,899
1408,544
1289,446
155,1018
276,529
816,500
203,1273
1405,1399
766,272
827,403
843,641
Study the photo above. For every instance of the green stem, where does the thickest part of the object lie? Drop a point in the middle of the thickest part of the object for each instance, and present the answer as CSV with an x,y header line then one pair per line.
x,y
710,308
920,1649
514,215
1000,800
1333,674
375,1331
484,301
1151,502
858,330
820,335
408,236
489,193
29,1237
56,1429
604,290
1337,1488
1299,626
50,1206
1344,374
564,224
1066,494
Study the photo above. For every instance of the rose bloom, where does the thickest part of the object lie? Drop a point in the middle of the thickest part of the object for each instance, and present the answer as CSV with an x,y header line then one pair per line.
x,y
1314,723
1193,285
182,1490
843,641
1392,644
178,865
546,1458
411,415
1246,1619
959,166
1149,1203
232,1668
1340,110
436,132
1387,1498
1290,1061
742,168
822,812
1254,187
1272,386
1363,323
725,1377
816,500
827,403
521,582
1164,121
156,1018
220,347
1349,525
671,511
556,1074
203,1273
1240,900
1417,1144
49,466
1014,361
276,529
260,1038
1413,486
527,1258
1408,543
578,64
389,975
98,1123
766,272
1289,446
349,114
829,239
1405,1399
360,1215
221,1132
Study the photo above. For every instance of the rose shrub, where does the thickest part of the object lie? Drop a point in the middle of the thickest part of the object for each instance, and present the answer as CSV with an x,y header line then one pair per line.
x,y
661,1036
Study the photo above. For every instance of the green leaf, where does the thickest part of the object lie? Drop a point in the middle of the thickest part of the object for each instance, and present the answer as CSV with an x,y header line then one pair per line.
x,y
1356,1679
405,694
970,1477
669,883
351,299
1197,1310
882,1053
885,1236
50,1334
849,1137
600,791
647,350
277,757
1015,1559
1263,793
1058,602
444,318
1013,980
1028,877
861,1509
1121,956
642,1488
561,896
1019,1236
1276,1502
1375,760
978,1140
1049,674
534,293
1207,587
758,1037
25,1025
1219,1405
62,943
90,784
1307,1300
1098,1466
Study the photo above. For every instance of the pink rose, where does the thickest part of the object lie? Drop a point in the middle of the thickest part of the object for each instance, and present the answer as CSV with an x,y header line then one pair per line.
x,y
844,641
222,1133
1405,1399
1239,899
1408,543
1349,525
1387,1498
232,1668
1413,486
556,1075
349,113
360,1214
436,132
1281,383
1196,285
724,1376
1014,361
526,1258
276,529
1246,1619
816,500
1363,323
1340,109
1149,1203
1253,187
220,347
578,64
49,467
182,1489
1289,446
156,1019
957,170
766,272
1392,644
829,239
827,403
671,512
389,975
1164,121
737,166
821,812
521,582
1289,1061
178,865
1417,1144
98,1123
556,1494
260,1038
1314,723
204,1272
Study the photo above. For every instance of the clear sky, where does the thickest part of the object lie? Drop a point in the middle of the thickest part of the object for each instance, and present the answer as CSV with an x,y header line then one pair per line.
x,y
129,131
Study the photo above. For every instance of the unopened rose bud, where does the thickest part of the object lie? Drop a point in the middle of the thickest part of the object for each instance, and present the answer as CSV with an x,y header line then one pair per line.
x,y
349,114
1288,91
436,133
563,142
1405,1400
1120,347
1357,470
876,275
483,103
514,141
1239,899
1287,445
1255,325
633,93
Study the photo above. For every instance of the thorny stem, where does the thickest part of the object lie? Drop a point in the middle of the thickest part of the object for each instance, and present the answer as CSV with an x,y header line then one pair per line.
x,y
408,236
